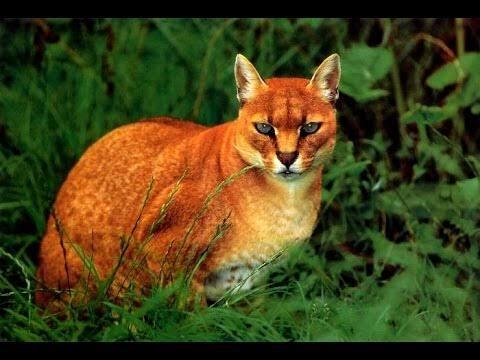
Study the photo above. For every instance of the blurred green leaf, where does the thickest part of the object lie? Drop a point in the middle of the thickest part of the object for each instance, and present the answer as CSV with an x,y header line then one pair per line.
x,y
389,252
466,95
362,67
453,72
424,114
466,73
475,109
314,23
353,169
467,192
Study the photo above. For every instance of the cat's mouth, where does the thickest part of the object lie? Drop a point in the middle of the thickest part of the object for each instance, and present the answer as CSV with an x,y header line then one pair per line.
x,y
289,174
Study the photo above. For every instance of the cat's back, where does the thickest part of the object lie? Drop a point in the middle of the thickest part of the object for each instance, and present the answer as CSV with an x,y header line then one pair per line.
x,y
119,166
146,136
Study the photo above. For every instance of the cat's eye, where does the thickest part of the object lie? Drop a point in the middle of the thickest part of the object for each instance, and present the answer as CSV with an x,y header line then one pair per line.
x,y
265,129
309,128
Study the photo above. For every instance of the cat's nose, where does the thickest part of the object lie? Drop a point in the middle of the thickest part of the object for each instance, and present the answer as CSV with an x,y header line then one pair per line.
x,y
287,158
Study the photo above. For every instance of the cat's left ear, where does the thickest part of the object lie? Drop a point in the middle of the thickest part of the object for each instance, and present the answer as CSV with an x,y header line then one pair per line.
x,y
327,78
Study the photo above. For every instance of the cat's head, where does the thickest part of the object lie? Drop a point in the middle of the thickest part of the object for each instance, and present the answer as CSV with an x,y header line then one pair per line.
x,y
286,125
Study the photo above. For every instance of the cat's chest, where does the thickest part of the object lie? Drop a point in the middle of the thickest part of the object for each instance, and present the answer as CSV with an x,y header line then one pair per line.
x,y
264,228
282,219
268,226
265,234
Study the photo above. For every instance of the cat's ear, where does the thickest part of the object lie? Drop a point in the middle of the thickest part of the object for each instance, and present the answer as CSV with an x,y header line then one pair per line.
x,y
247,78
327,78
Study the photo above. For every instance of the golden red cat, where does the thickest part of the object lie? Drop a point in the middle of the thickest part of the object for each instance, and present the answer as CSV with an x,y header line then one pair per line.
x,y
284,131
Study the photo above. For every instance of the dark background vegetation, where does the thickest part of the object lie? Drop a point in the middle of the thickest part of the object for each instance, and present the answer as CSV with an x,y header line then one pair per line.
x,y
396,253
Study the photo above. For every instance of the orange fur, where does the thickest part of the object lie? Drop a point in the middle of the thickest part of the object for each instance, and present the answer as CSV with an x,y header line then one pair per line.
x,y
102,197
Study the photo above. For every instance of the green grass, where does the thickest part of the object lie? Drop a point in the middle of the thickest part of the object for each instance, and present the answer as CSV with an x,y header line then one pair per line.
x,y
396,253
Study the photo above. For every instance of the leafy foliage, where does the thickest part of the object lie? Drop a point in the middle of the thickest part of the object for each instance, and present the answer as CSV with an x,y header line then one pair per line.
x,y
396,252
363,66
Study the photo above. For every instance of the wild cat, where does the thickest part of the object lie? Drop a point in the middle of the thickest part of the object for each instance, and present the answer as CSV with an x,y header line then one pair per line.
x,y
272,156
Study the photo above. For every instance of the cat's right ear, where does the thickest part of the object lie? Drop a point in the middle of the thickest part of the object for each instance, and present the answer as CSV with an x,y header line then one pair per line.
x,y
327,78
247,78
